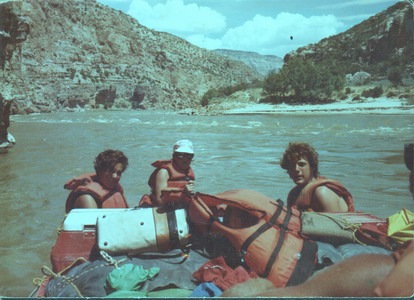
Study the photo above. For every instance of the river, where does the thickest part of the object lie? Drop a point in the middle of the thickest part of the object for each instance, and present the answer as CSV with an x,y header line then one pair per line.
x,y
364,152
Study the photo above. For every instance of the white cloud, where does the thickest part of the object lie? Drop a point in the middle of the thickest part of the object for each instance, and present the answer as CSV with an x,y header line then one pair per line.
x,y
355,3
206,28
267,35
178,18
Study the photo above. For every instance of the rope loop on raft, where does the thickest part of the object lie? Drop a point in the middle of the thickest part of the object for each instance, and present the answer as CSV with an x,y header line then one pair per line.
x,y
345,225
49,273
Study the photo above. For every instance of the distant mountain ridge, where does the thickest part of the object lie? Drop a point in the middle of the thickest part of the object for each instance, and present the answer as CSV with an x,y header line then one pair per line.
x,y
264,64
56,54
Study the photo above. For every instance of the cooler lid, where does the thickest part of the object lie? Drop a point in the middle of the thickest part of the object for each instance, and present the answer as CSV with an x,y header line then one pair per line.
x,y
80,219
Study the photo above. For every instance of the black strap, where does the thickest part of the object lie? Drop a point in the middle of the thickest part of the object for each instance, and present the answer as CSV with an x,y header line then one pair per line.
x,y
183,178
263,228
275,253
305,265
210,222
172,229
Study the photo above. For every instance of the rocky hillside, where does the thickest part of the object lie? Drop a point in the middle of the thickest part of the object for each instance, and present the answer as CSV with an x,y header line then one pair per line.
x,y
264,64
56,54
377,45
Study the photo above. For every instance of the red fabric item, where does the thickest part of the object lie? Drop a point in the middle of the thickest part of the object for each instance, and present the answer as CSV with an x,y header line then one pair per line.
x,y
223,276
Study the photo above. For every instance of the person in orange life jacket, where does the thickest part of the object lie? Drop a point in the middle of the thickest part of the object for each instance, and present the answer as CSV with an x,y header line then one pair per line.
x,y
312,192
364,275
100,189
175,173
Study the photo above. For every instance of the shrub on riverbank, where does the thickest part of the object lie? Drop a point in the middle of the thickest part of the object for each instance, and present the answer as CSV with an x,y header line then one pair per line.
x,y
374,92
228,90
303,81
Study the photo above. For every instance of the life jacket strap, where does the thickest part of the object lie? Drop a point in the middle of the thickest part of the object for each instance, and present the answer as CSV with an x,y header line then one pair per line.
x,y
283,228
210,222
184,178
263,228
172,229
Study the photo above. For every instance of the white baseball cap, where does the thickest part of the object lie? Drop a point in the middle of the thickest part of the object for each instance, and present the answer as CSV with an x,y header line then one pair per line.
x,y
184,146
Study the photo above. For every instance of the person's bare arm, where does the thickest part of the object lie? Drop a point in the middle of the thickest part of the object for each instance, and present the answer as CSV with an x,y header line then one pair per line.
x,y
328,200
354,277
85,201
161,183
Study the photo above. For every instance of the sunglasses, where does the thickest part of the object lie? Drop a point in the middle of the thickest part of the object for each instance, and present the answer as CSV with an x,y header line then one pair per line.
x,y
184,155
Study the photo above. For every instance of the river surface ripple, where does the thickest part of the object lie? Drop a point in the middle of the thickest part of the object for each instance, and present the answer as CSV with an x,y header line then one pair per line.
x,y
364,152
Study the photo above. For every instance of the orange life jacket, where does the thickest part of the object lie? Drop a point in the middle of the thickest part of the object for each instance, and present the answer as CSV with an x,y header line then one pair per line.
x,y
272,246
303,198
88,184
176,179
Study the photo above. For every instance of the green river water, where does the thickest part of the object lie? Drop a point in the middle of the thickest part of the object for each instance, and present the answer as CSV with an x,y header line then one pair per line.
x,y
364,152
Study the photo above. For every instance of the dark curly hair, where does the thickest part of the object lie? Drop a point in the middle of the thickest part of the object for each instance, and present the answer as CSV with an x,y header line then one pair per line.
x,y
106,160
296,151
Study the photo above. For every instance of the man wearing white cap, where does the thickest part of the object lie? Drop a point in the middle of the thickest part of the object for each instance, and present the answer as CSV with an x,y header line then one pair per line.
x,y
173,173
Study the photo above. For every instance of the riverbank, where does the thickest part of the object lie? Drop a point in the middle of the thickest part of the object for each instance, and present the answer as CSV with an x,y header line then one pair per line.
x,y
369,106
393,101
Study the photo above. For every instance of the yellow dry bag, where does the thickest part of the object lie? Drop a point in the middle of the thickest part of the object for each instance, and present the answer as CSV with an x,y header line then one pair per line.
x,y
401,226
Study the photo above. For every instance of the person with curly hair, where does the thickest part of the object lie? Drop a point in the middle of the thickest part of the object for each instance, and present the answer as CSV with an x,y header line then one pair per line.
x,y
100,189
363,275
313,192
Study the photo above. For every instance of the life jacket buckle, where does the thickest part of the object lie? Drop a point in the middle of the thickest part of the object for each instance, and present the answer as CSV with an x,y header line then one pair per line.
x,y
284,227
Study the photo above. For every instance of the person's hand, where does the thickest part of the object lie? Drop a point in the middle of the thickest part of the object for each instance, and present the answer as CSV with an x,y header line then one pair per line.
x,y
190,186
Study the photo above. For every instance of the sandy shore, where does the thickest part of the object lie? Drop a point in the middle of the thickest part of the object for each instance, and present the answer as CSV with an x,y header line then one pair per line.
x,y
368,106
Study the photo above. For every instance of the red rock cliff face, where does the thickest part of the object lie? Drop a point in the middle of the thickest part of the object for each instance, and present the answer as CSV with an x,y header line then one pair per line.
x,y
57,54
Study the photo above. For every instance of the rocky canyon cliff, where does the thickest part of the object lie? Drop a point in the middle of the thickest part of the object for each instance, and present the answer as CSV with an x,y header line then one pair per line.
x,y
57,54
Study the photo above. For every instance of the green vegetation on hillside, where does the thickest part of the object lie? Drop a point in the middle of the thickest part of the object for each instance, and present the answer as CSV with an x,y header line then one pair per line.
x,y
374,53
228,90
303,81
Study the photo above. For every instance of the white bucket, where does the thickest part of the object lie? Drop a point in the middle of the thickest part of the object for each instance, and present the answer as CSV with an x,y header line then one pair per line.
x,y
142,230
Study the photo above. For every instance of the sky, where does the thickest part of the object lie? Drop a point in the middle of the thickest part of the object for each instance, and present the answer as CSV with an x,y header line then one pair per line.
x,y
268,27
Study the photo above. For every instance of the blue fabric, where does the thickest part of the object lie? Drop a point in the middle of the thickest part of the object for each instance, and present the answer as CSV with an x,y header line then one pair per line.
x,y
206,289
327,252
348,250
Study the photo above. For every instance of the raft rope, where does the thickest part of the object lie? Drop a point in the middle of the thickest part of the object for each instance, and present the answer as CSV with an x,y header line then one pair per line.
x,y
70,279
109,259
60,227
79,275
345,225
40,281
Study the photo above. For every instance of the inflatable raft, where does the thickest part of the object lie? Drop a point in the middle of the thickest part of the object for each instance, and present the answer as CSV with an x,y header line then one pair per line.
x,y
92,243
